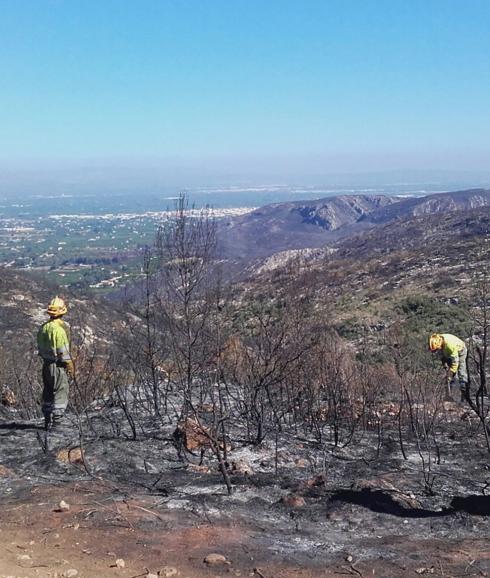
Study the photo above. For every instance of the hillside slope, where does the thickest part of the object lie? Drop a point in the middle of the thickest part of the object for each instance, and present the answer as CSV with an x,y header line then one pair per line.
x,y
364,278
313,224
297,225
429,205
23,302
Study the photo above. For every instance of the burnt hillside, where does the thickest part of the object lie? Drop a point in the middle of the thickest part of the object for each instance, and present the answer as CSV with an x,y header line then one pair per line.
x,y
431,205
23,302
296,225
313,224
364,277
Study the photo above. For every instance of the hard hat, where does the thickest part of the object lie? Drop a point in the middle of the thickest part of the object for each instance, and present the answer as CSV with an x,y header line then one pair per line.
x,y
57,307
435,342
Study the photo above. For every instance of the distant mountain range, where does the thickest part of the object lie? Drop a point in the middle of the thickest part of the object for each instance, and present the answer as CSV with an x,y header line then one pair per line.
x,y
313,224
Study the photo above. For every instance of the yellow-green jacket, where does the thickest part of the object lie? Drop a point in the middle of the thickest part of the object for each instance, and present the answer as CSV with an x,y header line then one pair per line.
x,y
53,341
451,349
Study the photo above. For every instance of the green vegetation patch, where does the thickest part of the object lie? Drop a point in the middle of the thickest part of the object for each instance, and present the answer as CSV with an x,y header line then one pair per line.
x,y
421,314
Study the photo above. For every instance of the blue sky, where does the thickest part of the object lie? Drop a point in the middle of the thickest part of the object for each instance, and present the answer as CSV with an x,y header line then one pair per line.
x,y
242,85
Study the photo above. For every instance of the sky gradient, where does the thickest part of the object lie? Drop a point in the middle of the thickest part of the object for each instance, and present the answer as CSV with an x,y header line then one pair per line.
x,y
302,87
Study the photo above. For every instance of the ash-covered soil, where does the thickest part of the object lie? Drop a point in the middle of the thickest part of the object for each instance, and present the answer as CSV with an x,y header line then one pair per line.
x,y
299,508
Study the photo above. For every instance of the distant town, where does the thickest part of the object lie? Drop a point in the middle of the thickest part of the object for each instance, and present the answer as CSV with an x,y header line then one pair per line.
x,y
88,251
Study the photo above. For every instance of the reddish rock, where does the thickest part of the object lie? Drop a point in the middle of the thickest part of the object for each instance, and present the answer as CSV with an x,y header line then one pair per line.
x,y
191,434
293,501
315,481
70,455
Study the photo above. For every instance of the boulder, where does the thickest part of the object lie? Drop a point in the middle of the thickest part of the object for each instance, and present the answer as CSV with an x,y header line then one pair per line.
x,y
191,435
70,455
241,467
293,501
215,559
8,398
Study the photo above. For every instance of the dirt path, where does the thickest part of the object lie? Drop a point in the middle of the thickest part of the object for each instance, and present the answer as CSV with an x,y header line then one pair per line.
x,y
38,540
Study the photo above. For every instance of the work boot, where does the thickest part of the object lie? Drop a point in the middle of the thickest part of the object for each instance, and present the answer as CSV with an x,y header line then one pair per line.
x,y
464,391
56,421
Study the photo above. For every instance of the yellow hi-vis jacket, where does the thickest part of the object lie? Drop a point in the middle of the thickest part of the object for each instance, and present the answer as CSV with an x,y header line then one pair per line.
x,y
53,341
451,349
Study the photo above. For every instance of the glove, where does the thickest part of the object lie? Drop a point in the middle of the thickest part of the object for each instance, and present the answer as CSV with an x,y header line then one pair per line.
x,y
450,376
70,368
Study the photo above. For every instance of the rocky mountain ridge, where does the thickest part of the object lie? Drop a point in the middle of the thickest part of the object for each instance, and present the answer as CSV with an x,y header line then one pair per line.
x,y
430,205
296,225
314,224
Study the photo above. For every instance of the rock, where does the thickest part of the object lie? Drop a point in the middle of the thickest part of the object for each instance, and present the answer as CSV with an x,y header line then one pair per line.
x,y
335,517
241,467
215,559
198,469
70,455
23,557
168,571
293,501
191,435
316,481
63,506
120,563
150,575
71,573
8,398
206,408
5,472
349,558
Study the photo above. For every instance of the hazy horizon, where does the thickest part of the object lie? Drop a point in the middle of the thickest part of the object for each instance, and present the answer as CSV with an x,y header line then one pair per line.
x,y
96,177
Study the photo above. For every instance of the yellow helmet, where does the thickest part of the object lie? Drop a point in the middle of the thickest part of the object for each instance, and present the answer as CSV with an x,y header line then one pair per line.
x,y
57,307
435,342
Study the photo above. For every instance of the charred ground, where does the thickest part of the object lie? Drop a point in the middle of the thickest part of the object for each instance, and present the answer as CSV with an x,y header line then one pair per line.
x,y
298,507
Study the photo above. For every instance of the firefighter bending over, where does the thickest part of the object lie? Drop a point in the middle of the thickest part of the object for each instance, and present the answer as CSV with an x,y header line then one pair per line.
x,y
53,341
453,353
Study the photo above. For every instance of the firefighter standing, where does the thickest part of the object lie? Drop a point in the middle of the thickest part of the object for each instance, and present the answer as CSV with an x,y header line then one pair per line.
x,y
53,341
453,353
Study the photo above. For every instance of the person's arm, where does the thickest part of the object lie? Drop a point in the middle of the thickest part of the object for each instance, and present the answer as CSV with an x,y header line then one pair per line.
x,y
62,346
452,360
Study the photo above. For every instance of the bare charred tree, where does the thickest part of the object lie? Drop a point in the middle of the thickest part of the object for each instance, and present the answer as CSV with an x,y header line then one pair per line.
x,y
333,390
187,281
20,386
274,339
479,347
190,306
481,321
144,340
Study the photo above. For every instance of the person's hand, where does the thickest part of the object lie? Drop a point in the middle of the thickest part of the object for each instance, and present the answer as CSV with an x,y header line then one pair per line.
x,y
70,368
450,376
